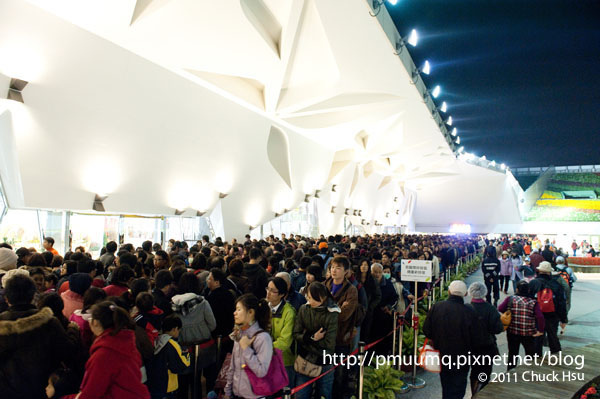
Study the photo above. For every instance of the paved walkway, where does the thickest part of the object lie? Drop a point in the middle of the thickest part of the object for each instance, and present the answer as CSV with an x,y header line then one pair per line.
x,y
584,320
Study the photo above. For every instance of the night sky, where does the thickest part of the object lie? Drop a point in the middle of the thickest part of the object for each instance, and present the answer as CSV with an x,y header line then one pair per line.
x,y
521,78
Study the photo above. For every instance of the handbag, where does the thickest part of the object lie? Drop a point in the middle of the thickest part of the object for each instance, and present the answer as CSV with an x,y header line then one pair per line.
x,y
221,381
506,317
275,379
304,367
429,358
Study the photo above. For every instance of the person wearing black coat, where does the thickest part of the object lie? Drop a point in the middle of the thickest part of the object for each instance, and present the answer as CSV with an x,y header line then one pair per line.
x,y
490,266
453,328
33,343
363,275
489,326
256,274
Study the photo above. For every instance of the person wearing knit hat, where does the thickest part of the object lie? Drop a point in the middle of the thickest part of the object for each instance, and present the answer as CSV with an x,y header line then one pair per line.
x,y
552,299
73,297
10,274
8,259
453,328
322,245
489,325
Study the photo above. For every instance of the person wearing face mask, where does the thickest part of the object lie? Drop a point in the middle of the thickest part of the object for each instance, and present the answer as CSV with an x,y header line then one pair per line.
x,y
383,313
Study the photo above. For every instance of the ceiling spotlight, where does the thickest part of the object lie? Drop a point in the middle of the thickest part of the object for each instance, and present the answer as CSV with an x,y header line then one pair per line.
x,y
426,68
461,149
502,166
436,92
378,3
457,139
277,214
444,107
355,212
449,121
333,188
223,195
97,205
362,221
250,228
199,213
179,212
397,211
454,132
387,215
493,163
333,209
360,213
483,158
347,211
307,198
412,39
15,88
317,193
395,199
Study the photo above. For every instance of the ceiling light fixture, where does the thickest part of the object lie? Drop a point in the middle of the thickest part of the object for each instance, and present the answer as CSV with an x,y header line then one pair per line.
x,y
97,205
448,121
333,209
307,198
317,192
15,89
223,195
425,69
454,132
200,213
457,139
444,107
333,188
378,3
179,212
412,39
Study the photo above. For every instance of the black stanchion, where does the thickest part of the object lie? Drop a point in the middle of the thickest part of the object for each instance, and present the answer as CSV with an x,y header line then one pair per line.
x,y
287,393
361,376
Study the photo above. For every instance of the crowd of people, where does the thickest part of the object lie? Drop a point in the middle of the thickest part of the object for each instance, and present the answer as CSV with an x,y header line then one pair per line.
x,y
150,322
541,283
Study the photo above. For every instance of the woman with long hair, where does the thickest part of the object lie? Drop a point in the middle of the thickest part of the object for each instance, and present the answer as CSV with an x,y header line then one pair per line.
x,y
253,346
113,369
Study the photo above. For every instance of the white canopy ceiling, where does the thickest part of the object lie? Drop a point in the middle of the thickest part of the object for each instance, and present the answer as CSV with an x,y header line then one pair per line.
x,y
164,104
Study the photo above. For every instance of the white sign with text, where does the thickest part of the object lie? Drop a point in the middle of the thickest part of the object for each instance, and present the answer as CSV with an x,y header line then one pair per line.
x,y
416,270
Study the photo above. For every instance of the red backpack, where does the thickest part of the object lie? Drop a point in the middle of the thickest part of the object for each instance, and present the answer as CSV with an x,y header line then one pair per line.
x,y
546,300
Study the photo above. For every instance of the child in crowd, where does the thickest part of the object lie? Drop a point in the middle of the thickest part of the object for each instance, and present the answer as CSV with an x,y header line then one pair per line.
x,y
82,316
148,316
168,361
62,382
50,282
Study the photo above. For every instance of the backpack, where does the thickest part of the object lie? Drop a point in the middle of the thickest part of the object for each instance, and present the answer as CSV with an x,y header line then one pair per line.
x,y
545,298
565,276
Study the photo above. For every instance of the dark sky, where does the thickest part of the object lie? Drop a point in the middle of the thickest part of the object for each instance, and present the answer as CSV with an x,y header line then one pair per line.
x,y
521,78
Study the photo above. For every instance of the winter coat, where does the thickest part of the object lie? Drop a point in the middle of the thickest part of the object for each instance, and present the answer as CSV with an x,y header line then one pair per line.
x,y
489,325
298,279
282,327
72,301
559,296
295,299
452,326
347,299
115,290
83,321
32,345
517,263
491,268
162,302
113,369
222,304
258,279
506,267
535,259
257,356
151,322
197,317
167,362
308,321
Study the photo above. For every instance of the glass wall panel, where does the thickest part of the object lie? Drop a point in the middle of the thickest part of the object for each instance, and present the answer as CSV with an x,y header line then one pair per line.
x,y
3,204
20,228
136,230
52,224
93,231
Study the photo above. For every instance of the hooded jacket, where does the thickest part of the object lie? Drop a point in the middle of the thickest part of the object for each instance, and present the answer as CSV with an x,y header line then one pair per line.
x,y
559,295
32,345
282,326
197,317
347,299
506,267
113,369
167,362
257,356
308,321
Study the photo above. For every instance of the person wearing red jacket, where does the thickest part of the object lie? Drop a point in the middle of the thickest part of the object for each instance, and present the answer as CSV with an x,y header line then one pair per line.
x,y
113,369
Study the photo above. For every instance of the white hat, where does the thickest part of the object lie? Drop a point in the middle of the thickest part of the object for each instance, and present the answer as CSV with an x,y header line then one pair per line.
x,y
11,273
8,259
545,267
457,287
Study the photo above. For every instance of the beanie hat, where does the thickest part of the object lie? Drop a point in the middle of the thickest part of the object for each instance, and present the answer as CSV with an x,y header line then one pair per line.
x,y
322,245
11,273
8,259
80,282
477,290
458,288
560,260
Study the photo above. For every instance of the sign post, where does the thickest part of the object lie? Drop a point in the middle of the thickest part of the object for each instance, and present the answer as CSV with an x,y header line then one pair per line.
x,y
417,271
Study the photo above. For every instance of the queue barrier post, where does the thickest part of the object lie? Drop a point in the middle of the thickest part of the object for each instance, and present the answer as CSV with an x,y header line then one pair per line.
x,y
394,325
287,393
219,338
195,379
405,388
416,383
361,377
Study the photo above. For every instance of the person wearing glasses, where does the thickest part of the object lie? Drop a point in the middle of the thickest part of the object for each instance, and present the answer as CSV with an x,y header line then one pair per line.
x,y
283,316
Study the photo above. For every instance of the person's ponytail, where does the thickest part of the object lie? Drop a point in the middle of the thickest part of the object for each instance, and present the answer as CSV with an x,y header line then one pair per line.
x,y
112,316
263,315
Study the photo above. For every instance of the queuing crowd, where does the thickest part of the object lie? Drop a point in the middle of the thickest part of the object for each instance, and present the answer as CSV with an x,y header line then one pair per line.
x,y
541,283
150,322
